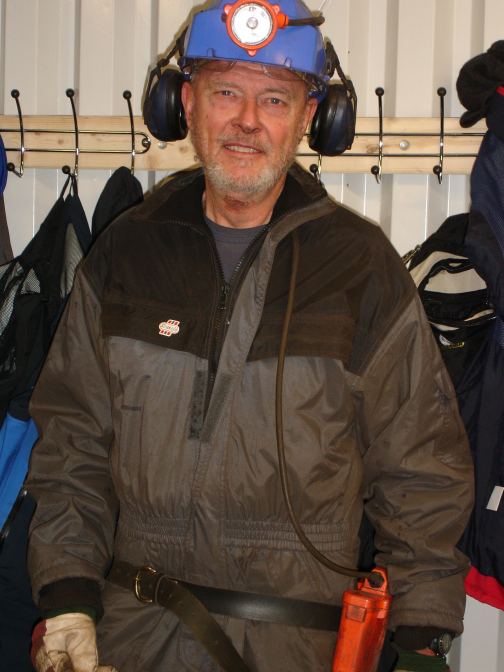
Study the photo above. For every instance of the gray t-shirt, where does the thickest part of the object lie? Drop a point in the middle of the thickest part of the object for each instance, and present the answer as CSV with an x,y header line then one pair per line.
x,y
232,244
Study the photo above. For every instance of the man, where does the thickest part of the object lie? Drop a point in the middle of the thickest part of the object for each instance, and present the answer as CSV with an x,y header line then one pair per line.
x,y
156,406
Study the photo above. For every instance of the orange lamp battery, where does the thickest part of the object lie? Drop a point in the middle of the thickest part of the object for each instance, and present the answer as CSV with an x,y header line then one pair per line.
x,y
363,625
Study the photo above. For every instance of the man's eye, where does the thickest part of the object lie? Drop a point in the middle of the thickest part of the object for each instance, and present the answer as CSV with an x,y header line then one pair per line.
x,y
226,92
277,102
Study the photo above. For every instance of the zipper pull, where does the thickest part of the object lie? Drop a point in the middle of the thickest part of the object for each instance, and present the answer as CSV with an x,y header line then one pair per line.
x,y
223,296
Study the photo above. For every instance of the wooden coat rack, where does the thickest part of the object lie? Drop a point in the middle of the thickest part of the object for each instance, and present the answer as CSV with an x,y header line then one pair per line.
x,y
383,145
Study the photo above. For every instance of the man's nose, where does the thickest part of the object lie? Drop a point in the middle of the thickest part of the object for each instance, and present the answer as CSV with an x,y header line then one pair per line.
x,y
247,117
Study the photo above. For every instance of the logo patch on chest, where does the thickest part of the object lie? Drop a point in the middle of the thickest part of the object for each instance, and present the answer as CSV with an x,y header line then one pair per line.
x,y
169,328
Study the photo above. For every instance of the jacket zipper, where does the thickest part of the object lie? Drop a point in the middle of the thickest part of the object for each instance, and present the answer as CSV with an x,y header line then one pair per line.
x,y
221,303
227,291
220,319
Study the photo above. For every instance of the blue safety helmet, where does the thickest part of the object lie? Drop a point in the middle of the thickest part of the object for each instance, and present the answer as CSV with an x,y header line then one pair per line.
x,y
284,34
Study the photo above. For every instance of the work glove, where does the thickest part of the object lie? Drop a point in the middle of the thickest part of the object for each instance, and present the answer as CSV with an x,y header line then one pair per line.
x,y
410,661
66,643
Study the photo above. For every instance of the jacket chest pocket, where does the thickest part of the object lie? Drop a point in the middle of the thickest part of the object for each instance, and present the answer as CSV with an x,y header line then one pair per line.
x,y
311,334
160,324
151,351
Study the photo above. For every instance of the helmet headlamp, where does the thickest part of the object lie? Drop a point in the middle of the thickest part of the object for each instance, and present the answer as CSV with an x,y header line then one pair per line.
x,y
253,25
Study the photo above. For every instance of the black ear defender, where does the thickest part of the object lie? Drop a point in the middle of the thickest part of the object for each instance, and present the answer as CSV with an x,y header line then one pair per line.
x,y
162,110
333,127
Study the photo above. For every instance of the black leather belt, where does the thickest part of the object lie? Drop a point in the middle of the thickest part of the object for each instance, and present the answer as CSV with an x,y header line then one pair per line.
x,y
192,604
146,582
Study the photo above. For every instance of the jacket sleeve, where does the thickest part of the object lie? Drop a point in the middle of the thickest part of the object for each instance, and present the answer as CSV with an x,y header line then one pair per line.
x,y
418,474
72,531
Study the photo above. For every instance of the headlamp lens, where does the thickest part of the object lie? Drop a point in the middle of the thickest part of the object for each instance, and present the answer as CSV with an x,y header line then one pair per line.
x,y
251,24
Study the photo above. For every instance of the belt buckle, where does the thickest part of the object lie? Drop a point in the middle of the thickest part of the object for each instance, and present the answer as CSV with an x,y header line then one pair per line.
x,y
138,594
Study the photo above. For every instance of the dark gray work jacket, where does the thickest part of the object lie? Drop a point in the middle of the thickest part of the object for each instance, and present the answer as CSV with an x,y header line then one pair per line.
x,y
156,414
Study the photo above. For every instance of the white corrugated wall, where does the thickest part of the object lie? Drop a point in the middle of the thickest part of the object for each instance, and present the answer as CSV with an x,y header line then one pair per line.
x,y
102,47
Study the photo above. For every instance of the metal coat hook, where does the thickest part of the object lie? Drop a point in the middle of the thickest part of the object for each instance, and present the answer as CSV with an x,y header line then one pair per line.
x,y
66,169
70,180
316,169
376,170
10,166
127,97
438,169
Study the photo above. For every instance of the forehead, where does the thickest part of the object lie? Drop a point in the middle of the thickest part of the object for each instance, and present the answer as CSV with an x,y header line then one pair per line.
x,y
253,74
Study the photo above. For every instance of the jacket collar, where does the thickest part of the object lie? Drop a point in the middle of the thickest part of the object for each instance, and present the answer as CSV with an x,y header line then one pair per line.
x,y
179,199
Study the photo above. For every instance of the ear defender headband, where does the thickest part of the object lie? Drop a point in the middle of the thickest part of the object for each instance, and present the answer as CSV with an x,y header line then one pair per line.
x,y
283,35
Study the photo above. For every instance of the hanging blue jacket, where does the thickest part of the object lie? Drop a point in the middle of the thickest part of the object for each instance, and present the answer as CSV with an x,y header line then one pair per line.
x,y
16,441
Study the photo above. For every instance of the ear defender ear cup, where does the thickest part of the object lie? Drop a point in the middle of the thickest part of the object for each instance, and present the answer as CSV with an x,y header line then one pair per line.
x,y
333,126
163,112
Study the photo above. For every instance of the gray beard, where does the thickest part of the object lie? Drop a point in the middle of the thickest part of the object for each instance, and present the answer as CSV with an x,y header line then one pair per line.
x,y
226,182
247,185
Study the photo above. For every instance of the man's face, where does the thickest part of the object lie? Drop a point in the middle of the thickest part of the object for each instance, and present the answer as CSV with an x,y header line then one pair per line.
x,y
245,125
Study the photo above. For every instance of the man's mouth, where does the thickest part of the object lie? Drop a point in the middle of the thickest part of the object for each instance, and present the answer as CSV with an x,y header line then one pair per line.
x,y
244,149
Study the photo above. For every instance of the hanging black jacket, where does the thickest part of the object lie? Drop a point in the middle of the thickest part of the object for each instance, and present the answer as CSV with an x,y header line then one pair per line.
x,y
482,401
33,288
121,192
467,319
